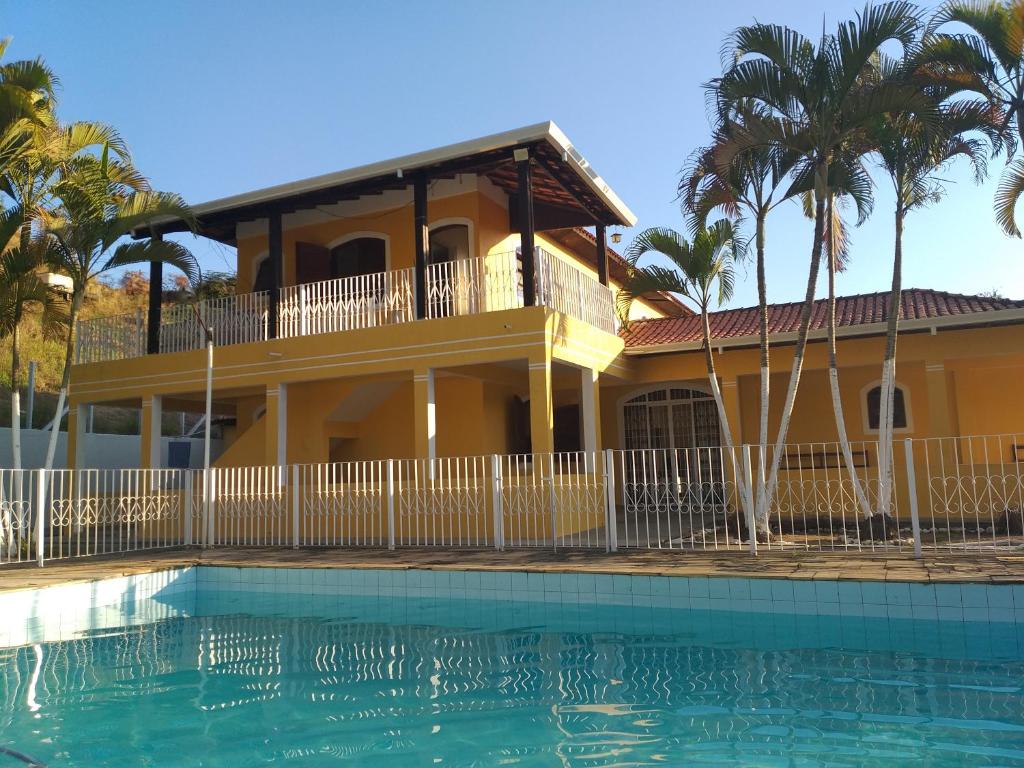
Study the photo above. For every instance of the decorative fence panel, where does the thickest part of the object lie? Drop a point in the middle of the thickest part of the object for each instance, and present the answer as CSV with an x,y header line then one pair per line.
x,y
238,319
347,303
680,499
443,502
472,286
566,289
19,530
106,511
342,504
823,499
118,337
248,506
971,492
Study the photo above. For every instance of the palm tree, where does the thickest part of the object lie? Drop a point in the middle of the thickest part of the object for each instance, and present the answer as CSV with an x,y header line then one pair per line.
x,y
989,60
26,100
21,288
754,183
815,101
30,179
702,270
912,156
99,203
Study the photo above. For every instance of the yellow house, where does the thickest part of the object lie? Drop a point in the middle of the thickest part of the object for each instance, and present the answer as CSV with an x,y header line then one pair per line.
x,y
440,304
454,303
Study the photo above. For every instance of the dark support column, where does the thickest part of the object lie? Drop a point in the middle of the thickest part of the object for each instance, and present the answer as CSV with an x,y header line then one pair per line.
x,y
156,295
602,255
525,197
422,238
276,258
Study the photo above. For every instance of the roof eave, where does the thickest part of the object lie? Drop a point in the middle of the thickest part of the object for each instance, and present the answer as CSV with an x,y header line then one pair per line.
x,y
530,134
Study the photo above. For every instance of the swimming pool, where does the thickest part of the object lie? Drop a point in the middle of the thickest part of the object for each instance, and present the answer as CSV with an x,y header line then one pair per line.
x,y
239,667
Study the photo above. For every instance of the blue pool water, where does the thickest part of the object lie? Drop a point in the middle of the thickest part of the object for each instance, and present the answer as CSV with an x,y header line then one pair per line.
x,y
248,677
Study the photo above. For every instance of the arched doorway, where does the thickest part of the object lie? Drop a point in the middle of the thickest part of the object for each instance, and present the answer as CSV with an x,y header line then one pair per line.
x,y
672,417
673,484
449,286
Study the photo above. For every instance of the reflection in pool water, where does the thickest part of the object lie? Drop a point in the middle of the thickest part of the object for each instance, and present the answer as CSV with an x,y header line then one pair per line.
x,y
245,678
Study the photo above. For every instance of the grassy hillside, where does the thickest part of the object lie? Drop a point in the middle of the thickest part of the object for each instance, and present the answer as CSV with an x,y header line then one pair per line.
x,y
103,299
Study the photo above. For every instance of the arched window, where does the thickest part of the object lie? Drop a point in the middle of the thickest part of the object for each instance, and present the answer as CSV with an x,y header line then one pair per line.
x,y
449,243
360,256
670,417
873,408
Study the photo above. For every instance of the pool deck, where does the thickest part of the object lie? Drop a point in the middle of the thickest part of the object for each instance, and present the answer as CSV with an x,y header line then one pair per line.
x,y
932,568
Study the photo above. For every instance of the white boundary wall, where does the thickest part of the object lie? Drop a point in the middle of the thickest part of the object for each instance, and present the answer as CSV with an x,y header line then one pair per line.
x,y
102,451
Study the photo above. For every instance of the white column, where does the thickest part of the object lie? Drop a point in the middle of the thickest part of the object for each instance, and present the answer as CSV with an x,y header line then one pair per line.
x,y
425,414
78,430
282,425
152,418
588,410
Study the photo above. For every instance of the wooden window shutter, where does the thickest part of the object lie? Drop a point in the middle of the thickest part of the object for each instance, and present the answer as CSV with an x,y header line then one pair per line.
x,y
312,263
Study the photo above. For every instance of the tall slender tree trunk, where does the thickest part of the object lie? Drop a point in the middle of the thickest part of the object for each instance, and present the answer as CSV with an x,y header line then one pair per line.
x,y
65,380
764,503
887,401
16,395
833,380
762,308
723,417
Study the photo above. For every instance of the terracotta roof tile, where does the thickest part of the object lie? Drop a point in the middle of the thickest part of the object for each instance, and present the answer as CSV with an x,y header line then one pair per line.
x,y
864,309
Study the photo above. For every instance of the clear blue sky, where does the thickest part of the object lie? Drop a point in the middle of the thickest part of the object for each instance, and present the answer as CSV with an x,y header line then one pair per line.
x,y
220,97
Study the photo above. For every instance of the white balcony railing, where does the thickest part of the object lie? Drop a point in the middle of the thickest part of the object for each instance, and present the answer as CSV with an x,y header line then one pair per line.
x,y
454,288
567,290
233,319
347,304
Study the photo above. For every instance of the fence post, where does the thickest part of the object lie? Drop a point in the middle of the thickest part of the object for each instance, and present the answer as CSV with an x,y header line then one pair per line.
x,y
748,501
186,504
497,503
295,506
40,515
611,522
303,316
915,520
209,477
391,504
554,501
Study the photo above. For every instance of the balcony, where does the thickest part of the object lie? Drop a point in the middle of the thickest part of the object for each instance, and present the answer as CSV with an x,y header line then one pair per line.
x,y
455,288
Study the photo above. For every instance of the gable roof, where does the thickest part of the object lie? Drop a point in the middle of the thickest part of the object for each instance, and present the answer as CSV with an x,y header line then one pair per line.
x,y
860,314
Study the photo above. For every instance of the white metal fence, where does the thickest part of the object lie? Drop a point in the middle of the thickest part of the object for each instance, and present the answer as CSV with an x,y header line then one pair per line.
x,y
460,287
957,494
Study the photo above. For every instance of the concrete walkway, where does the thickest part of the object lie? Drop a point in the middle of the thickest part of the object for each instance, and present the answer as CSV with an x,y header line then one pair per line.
x,y
1006,568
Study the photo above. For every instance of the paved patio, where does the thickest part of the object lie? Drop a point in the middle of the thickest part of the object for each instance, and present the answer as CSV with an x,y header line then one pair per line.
x,y
1005,568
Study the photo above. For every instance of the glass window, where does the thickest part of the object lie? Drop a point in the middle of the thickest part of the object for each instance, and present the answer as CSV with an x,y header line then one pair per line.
x,y
899,408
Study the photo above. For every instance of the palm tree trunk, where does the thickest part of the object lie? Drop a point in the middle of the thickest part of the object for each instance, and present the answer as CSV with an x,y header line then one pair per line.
x,y
764,503
15,396
833,381
762,306
723,417
65,380
888,395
